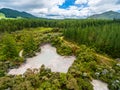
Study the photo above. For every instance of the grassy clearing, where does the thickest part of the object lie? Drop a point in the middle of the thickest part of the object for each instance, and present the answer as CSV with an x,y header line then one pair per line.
x,y
39,29
2,16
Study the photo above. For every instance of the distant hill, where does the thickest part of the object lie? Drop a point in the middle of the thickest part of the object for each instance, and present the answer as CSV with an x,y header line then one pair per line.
x,y
106,15
9,13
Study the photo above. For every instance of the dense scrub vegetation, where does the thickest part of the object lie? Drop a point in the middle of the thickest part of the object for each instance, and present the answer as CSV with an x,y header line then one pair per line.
x,y
45,79
102,35
88,63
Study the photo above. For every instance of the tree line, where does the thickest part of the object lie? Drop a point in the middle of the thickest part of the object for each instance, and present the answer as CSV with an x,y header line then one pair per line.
x,y
103,35
11,25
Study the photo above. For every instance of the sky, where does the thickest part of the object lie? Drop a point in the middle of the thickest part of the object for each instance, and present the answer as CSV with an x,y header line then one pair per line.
x,y
62,8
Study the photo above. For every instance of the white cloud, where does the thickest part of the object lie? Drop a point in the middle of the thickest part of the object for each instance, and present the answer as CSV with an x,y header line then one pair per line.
x,y
44,8
26,4
100,6
94,2
81,1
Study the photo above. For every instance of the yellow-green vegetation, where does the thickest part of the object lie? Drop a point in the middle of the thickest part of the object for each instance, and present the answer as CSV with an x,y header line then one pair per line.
x,y
2,16
38,29
27,40
88,63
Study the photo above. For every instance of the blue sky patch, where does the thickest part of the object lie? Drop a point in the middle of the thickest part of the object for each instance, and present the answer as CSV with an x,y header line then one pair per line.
x,y
67,4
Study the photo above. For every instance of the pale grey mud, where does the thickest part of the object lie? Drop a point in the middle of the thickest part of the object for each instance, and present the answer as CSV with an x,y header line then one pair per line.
x,y
99,85
49,58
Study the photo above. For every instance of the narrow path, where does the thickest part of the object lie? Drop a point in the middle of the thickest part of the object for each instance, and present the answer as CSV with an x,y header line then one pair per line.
x,y
21,53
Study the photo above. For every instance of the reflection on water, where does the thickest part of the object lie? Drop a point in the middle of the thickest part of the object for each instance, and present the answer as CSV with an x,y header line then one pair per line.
x,y
49,58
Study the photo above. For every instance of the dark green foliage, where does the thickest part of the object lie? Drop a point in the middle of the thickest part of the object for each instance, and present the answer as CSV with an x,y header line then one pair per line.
x,y
104,38
114,84
19,24
29,46
3,68
5,82
64,50
26,85
109,75
9,49
44,80
84,84
85,54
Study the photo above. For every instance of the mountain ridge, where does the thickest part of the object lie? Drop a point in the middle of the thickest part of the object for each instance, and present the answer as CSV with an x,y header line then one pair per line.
x,y
10,13
106,15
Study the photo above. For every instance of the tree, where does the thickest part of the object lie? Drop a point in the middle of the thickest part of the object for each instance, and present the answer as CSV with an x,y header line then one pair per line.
x,y
29,45
9,47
